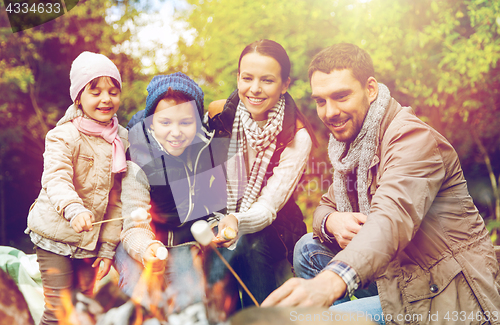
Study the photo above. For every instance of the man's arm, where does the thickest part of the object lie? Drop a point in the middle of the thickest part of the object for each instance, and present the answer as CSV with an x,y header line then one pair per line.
x,y
321,290
330,225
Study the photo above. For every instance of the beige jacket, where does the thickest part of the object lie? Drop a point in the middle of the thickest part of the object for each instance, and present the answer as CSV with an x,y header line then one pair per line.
x,y
424,241
77,168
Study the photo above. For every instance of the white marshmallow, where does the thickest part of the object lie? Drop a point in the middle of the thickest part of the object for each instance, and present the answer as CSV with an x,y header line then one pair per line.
x,y
202,232
162,253
139,214
228,233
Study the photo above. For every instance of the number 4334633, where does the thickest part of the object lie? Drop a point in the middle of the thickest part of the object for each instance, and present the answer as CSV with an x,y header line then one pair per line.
x,y
40,8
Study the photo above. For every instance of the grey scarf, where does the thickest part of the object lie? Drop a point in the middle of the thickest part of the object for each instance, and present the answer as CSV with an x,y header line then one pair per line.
x,y
360,155
263,140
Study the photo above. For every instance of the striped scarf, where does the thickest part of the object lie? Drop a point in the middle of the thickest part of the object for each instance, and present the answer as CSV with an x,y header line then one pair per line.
x,y
263,140
360,155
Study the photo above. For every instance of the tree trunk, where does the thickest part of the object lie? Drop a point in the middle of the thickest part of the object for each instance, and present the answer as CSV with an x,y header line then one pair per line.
x,y
493,180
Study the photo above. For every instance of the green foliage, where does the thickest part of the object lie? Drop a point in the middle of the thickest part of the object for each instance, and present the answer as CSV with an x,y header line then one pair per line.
x,y
439,56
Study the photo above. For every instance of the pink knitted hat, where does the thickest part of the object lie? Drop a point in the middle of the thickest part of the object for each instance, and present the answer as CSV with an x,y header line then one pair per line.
x,y
88,66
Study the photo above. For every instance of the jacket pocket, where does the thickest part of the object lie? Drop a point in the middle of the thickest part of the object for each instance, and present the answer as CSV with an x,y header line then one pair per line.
x,y
428,284
84,177
442,295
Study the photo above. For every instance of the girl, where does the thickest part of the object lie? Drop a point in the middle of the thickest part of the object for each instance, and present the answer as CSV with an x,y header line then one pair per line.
x,y
84,161
270,143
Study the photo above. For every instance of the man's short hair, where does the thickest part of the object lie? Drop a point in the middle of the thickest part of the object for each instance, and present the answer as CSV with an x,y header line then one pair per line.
x,y
343,56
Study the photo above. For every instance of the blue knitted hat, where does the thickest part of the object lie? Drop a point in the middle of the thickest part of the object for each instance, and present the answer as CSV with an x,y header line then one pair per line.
x,y
179,82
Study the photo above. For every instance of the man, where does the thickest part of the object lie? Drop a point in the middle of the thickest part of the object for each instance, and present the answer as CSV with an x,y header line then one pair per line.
x,y
398,209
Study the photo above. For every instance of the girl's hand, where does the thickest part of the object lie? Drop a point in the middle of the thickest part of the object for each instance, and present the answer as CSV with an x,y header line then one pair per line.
x,y
150,259
83,222
228,221
103,271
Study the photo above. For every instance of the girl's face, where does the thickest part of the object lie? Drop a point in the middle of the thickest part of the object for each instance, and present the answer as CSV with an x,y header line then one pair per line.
x,y
260,84
101,102
174,125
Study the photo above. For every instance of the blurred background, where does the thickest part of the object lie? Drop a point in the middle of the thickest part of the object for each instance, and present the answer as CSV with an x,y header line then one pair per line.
x,y
439,56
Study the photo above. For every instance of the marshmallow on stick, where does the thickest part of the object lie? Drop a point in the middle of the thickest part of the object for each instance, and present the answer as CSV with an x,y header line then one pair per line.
x,y
139,214
161,253
228,233
203,234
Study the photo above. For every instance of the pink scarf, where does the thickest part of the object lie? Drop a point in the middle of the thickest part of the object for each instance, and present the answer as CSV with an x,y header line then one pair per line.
x,y
110,134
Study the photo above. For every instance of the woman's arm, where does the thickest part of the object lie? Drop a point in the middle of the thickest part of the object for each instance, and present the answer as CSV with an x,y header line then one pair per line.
x,y
280,186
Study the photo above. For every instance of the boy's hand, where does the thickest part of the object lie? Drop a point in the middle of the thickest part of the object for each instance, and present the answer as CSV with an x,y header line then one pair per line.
x,y
228,221
150,259
83,222
105,267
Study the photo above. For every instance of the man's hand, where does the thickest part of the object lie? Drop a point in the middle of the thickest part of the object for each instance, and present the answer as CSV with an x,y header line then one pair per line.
x,y
344,226
105,267
82,222
150,259
228,221
320,291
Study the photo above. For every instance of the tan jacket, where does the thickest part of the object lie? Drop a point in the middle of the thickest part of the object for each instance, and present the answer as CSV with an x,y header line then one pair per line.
x,y
77,168
424,241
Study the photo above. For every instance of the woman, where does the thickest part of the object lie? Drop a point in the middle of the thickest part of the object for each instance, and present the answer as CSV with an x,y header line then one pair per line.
x,y
270,142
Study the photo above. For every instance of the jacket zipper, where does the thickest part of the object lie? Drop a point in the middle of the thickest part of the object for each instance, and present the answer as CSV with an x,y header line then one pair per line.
x,y
191,186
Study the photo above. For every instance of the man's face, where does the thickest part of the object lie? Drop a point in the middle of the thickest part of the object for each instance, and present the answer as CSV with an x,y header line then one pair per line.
x,y
342,102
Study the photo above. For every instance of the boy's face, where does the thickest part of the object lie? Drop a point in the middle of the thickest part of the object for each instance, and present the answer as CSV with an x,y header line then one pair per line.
x,y
174,125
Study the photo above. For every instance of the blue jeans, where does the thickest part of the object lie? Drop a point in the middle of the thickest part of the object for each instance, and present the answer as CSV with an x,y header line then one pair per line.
x,y
255,260
184,284
310,257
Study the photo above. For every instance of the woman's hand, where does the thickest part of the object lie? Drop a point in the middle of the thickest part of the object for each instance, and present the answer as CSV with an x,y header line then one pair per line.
x,y
82,222
228,221
151,260
103,271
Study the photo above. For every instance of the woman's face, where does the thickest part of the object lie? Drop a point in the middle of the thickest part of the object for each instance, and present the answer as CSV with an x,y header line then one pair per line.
x,y
260,84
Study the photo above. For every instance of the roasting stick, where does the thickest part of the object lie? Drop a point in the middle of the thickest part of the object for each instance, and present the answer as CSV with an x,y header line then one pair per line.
x,y
107,220
203,234
139,214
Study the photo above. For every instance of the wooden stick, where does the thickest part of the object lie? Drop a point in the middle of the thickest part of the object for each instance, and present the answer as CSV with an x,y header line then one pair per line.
x,y
108,220
234,273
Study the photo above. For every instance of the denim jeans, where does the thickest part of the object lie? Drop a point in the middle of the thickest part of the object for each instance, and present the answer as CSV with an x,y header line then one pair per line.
x,y
310,257
256,256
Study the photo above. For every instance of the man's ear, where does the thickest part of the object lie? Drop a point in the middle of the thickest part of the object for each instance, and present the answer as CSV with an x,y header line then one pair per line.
x,y
371,89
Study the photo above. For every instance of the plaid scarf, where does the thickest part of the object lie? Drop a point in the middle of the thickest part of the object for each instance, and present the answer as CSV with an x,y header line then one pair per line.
x,y
263,140
360,155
